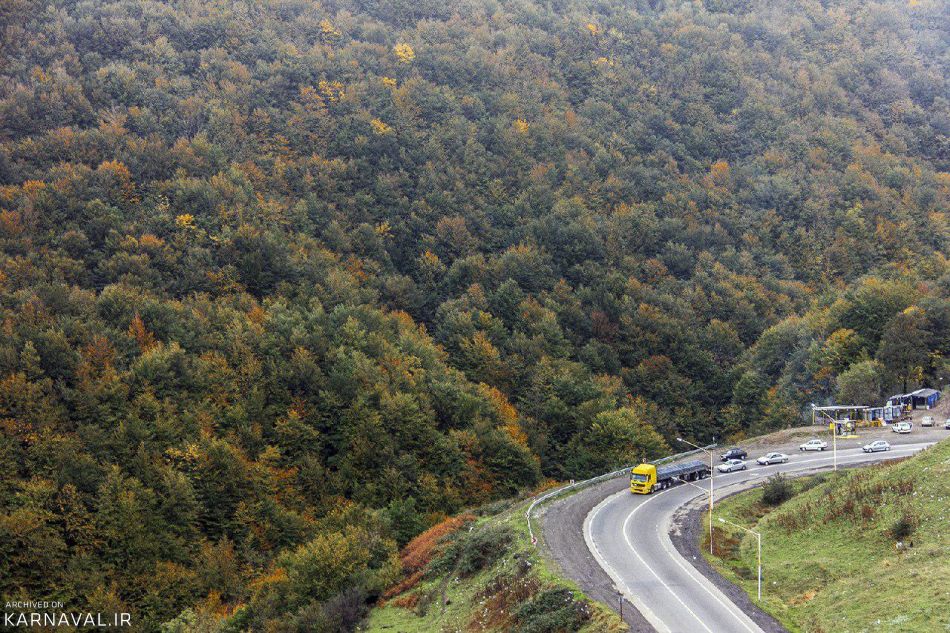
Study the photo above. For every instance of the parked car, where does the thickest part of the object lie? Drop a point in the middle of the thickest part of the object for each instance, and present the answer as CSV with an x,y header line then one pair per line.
x,y
734,453
902,427
946,424
731,466
875,446
772,458
814,444
928,420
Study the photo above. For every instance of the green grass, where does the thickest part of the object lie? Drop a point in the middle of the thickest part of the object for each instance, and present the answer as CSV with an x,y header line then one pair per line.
x,y
471,604
829,557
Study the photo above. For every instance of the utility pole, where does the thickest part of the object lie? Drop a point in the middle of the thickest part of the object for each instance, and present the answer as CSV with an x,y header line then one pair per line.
x,y
708,452
834,443
758,537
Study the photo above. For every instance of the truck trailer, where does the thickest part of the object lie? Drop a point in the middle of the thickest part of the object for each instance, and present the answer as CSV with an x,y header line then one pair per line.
x,y
646,478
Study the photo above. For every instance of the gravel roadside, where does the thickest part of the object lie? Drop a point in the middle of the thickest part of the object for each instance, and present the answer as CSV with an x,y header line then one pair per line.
x,y
562,540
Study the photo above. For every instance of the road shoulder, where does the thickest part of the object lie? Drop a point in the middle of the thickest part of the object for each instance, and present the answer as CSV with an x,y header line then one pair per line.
x,y
684,532
562,523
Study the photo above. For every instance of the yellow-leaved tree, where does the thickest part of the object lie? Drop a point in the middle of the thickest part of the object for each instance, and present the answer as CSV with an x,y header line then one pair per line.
x,y
404,53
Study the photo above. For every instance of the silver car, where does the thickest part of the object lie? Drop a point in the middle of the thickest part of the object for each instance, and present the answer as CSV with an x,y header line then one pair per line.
x,y
875,446
731,466
814,444
772,458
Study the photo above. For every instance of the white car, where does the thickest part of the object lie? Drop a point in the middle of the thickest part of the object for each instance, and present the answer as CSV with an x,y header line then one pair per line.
x,y
928,420
902,427
731,465
772,458
875,446
814,445
946,424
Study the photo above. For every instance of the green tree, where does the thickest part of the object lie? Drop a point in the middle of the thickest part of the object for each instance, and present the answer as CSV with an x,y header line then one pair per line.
x,y
860,384
332,561
613,439
905,346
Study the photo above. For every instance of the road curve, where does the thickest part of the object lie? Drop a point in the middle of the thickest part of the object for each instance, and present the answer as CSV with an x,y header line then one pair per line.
x,y
629,537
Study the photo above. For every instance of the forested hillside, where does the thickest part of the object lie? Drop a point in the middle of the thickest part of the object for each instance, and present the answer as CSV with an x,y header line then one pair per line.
x,y
285,282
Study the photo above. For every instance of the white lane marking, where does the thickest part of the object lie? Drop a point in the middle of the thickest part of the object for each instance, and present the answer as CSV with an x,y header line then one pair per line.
x,y
647,613
626,538
619,582
704,582
653,571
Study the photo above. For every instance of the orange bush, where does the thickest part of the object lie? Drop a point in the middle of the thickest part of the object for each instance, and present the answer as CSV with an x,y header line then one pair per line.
x,y
405,584
407,602
420,551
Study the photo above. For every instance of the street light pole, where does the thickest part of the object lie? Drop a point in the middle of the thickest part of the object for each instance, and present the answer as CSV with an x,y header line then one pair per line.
x,y
710,489
758,538
834,443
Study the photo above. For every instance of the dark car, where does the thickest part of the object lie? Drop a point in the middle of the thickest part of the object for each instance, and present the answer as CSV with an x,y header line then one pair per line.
x,y
734,453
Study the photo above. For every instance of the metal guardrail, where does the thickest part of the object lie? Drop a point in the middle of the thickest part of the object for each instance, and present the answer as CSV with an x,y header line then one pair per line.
x,y
551,494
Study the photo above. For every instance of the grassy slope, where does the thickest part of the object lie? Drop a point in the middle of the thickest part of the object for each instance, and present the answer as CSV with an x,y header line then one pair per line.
x,y
830,562
476,603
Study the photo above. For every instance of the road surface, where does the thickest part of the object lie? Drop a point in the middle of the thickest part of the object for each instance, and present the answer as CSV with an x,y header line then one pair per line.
x,y
629,537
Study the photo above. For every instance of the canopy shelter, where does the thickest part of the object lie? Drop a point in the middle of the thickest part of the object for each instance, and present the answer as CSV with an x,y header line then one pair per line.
x,y
841,419
901,399
884,415
837,412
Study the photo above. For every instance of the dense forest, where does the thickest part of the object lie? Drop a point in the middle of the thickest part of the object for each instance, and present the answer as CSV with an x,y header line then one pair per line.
x,y
285,282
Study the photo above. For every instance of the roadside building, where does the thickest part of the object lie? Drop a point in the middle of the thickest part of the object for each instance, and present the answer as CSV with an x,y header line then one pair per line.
x,y
885,414
925,398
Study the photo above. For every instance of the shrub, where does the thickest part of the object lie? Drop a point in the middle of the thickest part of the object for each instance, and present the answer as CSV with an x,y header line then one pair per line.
x,y
421,550
777,490
903,527
502,596
474,551
811,482
338,614
405,519
553,611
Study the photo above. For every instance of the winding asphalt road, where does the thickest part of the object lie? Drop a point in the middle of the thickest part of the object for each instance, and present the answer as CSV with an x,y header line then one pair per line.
x,y
629,537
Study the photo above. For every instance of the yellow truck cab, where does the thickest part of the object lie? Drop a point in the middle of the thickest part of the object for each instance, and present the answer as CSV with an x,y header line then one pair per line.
x,y
642,479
